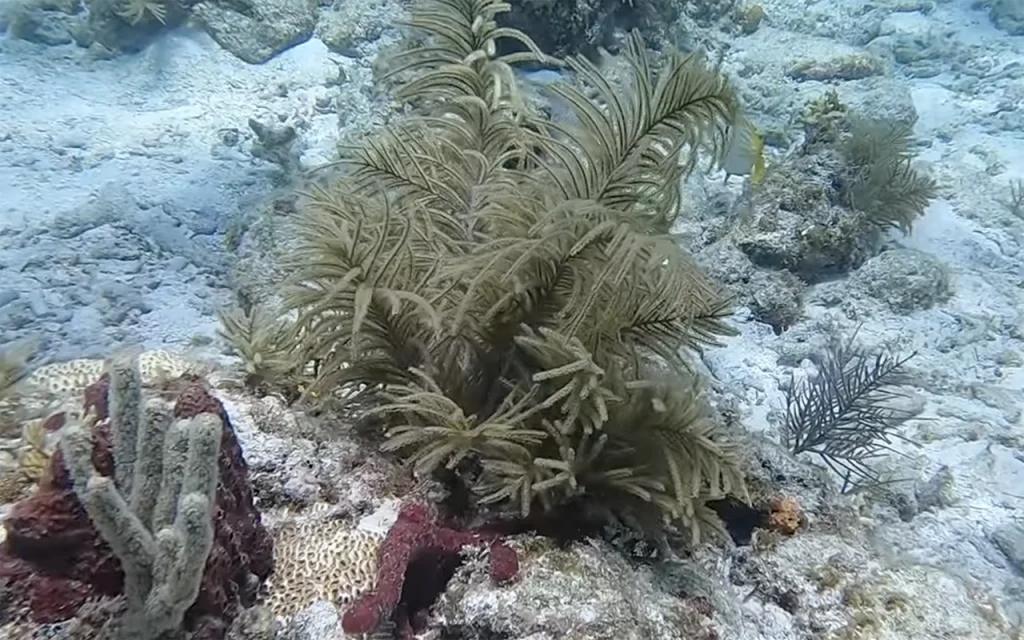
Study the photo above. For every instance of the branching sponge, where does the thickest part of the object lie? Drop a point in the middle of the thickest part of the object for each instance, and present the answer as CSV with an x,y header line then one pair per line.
x,y
156,513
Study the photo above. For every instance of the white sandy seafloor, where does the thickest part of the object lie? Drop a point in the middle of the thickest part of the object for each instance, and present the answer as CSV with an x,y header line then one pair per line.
x,y
119,177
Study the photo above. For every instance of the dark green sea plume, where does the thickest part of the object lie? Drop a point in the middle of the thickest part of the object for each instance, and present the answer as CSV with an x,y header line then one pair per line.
x,y
846,414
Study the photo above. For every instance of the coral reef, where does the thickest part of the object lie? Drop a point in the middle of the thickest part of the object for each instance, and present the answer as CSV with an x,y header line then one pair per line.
x,y
840,590
43,401
793,222
256,30
418,540
710,12
581,27
822,120
825,209
749,17
1007,15
126,25
846,67
585,590
69,380
904,280
774,296
59,560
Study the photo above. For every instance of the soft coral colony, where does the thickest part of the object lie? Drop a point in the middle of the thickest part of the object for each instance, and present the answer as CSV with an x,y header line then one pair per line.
x,y
504,290
501,292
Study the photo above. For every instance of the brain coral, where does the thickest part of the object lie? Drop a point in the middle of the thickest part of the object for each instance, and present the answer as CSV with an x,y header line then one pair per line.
x,y
320,558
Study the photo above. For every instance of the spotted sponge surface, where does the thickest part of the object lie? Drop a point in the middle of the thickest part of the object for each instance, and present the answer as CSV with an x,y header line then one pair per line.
x,y
320,558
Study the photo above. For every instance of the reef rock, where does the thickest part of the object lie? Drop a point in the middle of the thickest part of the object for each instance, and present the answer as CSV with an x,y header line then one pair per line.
x,y
793,223
587,591
905,280
258,29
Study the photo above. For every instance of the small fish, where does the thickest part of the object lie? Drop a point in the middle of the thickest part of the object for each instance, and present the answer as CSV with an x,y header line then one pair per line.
x,y
34,434
34,456
745,154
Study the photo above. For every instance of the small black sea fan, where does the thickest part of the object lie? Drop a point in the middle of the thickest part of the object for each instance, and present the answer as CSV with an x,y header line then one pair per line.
x,y
845,414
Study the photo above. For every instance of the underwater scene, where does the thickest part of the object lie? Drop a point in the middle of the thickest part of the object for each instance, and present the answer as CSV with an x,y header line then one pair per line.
x,y
524,320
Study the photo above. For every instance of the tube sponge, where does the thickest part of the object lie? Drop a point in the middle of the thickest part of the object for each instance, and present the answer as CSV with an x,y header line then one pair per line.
x,y
156,513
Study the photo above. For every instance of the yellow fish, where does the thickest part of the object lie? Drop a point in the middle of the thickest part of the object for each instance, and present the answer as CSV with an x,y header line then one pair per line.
x,y
34,455
745,153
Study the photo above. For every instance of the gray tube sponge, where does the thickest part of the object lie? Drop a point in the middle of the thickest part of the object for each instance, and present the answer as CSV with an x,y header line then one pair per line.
x,y
149,463
128,537
157,512
125,402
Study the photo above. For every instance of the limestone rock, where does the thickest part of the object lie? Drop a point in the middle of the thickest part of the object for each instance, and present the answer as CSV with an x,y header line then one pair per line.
x,y
264,29
905,280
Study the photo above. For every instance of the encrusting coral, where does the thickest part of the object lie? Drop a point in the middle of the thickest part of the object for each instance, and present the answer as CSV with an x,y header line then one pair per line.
x,y
60,558
68,380
504,292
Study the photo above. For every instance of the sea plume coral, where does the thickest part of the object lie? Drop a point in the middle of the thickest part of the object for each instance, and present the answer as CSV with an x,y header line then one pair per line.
x,y
880,179
506,288
137,11
845,414
265,345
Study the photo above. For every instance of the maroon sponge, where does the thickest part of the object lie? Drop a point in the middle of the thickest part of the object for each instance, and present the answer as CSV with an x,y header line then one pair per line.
x,y
400,594
53,559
